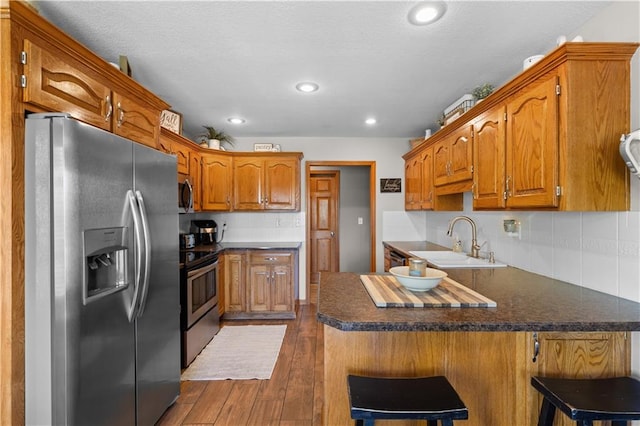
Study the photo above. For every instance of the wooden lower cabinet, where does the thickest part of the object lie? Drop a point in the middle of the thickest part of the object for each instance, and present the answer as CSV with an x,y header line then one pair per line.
x,y
490,370
234,283
260,284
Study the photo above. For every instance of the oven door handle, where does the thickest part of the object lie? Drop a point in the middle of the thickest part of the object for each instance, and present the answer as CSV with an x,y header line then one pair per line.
x,y
202,270
146,257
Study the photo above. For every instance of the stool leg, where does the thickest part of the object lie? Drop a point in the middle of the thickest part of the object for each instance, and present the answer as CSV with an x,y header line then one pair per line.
x,y
432,423
584,423
619,423
547,413
447,422
369,422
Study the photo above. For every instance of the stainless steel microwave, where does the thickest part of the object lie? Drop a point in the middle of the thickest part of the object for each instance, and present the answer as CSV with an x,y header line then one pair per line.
x,y
185,194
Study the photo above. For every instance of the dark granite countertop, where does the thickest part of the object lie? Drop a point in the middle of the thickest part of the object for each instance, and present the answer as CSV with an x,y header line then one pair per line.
x,y
525,302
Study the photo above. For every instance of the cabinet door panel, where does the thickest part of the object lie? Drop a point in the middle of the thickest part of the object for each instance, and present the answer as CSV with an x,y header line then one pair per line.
x,y
281,177
489,152
412,184
426,180
281,290
579,355
441,163
259,288
182,158
234,283
135,122
532,152
216,182
247,185
55,85
461,153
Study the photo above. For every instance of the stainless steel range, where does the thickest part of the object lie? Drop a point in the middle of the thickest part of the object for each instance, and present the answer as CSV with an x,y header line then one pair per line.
x,y
199,313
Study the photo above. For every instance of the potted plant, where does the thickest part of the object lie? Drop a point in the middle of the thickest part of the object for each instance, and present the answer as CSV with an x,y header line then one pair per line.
x,y
482,92
216,137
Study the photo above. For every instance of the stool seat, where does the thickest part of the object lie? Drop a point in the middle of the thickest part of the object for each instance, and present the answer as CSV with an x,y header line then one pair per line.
x,y
585,400
427,398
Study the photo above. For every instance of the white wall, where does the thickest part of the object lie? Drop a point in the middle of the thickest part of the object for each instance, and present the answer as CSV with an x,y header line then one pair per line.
x,y
600,251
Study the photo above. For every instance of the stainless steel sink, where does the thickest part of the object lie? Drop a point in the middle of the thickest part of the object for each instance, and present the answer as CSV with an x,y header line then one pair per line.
x,y
448,259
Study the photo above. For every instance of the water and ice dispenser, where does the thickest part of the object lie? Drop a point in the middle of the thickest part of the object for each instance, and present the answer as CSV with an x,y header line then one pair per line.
x,y
105,262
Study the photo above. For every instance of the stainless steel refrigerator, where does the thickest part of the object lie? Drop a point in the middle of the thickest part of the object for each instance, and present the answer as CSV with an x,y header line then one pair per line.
x,y
102,303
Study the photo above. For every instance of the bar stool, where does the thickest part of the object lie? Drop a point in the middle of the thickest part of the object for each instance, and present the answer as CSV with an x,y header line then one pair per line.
x,y
585,400
427,398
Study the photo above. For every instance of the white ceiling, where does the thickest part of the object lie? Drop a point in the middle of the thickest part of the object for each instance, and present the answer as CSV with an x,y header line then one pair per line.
x,y
215,59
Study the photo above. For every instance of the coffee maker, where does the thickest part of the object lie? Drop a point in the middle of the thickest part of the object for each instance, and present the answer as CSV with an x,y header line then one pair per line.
x,y
206,231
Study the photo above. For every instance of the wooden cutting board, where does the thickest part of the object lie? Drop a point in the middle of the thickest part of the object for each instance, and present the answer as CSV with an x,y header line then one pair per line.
x,y
387,292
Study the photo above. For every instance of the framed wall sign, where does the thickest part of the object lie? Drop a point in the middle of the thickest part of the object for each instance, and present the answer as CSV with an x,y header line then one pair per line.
x,y
262,147
391,185
171,120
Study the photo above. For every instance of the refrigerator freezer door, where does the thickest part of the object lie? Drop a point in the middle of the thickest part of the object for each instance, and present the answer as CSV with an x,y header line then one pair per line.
x,y
91,350
158,323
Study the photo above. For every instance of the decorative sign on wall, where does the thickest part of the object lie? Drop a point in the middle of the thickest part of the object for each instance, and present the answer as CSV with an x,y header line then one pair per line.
x,y
390,185
171,120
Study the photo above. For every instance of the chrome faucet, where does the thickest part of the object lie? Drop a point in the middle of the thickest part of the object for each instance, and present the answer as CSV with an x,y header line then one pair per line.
x,y
475,248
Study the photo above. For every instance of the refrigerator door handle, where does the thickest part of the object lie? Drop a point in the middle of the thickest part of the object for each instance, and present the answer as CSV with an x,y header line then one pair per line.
x,y
147,253
137,227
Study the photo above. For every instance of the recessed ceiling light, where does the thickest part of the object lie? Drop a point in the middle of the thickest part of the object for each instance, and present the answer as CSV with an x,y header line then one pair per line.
x,y
236,120
307,87
427,12
370,121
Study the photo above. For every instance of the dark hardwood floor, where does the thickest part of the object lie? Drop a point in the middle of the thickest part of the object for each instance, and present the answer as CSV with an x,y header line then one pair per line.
x,y
292,397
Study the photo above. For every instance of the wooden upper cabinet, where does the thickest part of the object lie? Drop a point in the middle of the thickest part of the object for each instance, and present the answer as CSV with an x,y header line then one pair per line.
x,y
453,157
489,155
56,81
174,144
548,139
419,181
217,174
270,182
532,147
135,121
55,85
412,178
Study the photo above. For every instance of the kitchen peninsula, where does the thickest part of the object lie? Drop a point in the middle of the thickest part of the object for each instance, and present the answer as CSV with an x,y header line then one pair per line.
x,y
540,326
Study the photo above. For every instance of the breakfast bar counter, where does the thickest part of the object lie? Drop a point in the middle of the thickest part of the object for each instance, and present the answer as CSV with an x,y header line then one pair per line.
x,y
540,326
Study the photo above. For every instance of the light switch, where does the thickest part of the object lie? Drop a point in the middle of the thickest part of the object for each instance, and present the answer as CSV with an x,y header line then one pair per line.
x,y
360,221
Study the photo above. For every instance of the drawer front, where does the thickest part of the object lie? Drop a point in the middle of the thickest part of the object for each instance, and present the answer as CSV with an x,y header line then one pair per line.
x,y
276,258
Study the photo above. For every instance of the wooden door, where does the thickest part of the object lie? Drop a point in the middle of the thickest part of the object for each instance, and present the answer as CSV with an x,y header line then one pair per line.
x,y
532,147
489,160
53,83
461,155
281,184
324,193
426,179
247,184
216,182
195,170
412,171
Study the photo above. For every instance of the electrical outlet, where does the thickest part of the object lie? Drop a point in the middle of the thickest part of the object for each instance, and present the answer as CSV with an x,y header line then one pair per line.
x,y
360,221
298,223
